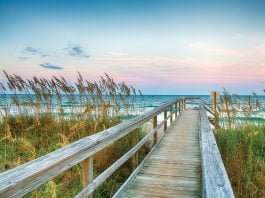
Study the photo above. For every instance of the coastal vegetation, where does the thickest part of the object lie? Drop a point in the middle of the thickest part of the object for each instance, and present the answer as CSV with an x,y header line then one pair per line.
x,y
38,116
243,154
242,144
41,115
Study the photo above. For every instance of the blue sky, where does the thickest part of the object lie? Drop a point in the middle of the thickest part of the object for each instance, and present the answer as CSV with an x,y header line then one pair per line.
x,y
161,47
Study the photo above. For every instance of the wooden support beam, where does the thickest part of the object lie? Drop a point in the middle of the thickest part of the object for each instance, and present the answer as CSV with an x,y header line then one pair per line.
x,y
165,117
215,96
87,172
181,105
154,126
176,110
171,115
135,140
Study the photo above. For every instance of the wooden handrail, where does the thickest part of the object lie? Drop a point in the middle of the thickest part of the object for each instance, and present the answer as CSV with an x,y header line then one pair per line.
x,y
214,176
137,170
109,171
25,178
208,110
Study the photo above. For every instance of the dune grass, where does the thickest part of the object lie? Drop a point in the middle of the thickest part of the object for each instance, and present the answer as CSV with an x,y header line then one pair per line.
x,y
243,154
41,115
241,141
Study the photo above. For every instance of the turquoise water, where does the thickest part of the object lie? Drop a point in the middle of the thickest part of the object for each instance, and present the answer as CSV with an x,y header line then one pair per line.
x,y
148,100
141,103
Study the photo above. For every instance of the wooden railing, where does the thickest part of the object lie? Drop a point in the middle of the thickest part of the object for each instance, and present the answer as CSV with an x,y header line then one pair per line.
x,y
27,177
215,181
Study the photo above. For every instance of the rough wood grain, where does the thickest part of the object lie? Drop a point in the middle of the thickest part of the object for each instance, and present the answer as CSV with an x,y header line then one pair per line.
x,y
173,169
165,124
171,117
176,109
25,178
154,126
134,141
135,172
215,179
109,171
87,172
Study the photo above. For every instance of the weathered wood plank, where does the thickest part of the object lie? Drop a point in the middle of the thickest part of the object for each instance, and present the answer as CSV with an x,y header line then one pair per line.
x,y
215,179
174,190
154,126
109,171
173,169
168,180
134,141
161,193
175,160
176,109
25,178
133,195
165,124
135,172
171,117
87,172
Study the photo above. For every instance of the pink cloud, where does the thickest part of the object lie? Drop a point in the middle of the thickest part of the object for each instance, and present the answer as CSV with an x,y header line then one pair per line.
x,y
236,67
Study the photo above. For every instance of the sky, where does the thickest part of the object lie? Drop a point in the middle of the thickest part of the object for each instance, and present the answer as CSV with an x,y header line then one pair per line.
x,y
158,46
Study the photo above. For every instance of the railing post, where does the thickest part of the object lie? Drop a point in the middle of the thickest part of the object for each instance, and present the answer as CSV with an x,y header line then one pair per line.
x,y
184,104
215,96
171,115
135,140
176,109
165,118
181,103
154,126
87,172
179,106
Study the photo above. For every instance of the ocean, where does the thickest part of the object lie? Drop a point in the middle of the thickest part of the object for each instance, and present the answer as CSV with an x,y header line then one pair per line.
x,y
142,104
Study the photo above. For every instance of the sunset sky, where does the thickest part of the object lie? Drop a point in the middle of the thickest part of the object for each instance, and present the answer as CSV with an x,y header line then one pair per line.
x,y
160,47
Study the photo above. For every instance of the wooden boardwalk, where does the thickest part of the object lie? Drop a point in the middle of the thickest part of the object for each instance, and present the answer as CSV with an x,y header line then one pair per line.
x,y
185,162
174,167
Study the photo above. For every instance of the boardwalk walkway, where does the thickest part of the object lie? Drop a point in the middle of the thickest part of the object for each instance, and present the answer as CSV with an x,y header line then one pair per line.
x,y
185,162
174,167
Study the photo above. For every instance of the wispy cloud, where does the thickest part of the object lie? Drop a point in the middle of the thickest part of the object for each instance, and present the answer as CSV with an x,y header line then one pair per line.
x,y
116,54
151,70
23,57
49,66
252,51
76,50
31,51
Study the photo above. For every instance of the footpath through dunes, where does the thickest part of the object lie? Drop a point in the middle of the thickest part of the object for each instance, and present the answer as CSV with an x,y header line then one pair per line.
x,y
174,167
184,162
